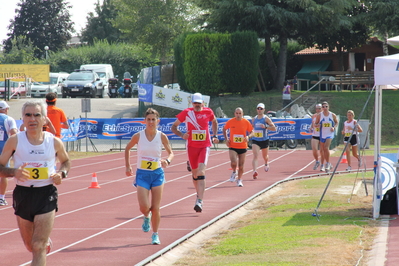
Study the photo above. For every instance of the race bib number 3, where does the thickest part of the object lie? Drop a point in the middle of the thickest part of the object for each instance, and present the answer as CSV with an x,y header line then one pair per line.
x,y
39,173
198,135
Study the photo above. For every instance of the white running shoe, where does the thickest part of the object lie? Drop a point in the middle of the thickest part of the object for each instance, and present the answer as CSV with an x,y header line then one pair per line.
x,y
198,205
233,177
255,175
267,168
3,202
239,183
322,169
349,168
316,165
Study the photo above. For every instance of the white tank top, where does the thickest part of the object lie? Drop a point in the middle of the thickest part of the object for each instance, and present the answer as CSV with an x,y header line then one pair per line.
x,y
326,123
316,130
41,159
149,152
347,125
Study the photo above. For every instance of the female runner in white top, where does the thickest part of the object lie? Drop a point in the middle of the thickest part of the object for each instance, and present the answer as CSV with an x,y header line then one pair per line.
x,y
149,174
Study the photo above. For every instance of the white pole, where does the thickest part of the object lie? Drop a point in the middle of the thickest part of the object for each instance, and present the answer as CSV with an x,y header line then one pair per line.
x,y
377,189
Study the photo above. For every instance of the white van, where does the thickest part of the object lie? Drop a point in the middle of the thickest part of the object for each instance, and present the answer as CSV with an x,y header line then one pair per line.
x,y
40,89
104,71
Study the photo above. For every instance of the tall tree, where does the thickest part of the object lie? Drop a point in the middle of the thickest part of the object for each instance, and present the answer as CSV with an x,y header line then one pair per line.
x,y
99,27
43,22
276,20
155,23
383,17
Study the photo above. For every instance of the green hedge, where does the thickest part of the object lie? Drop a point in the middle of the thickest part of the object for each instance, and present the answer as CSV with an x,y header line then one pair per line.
x,y
217,63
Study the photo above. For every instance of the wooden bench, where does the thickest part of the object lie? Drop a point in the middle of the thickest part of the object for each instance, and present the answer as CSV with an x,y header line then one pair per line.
x,y
348,79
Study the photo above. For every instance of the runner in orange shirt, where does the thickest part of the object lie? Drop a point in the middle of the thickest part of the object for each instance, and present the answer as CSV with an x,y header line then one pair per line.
x,y
240,130
55,114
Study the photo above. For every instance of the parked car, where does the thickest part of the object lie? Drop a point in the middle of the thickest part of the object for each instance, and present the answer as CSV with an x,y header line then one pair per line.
x,y
18,89
40,89
84,83
104,72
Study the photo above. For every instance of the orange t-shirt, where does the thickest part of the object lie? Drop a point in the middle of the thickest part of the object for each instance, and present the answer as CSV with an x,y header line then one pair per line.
x,y
56,116
239,129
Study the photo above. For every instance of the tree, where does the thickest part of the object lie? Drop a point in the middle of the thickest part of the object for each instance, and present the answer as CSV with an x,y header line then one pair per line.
x,y
44,23
383,17
155,23
22,52
277,20
100,27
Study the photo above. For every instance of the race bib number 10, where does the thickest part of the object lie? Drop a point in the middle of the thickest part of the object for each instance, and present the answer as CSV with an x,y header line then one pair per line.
x,y
198,135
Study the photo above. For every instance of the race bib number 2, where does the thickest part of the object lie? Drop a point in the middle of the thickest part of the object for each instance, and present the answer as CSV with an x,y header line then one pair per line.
x,y
149,163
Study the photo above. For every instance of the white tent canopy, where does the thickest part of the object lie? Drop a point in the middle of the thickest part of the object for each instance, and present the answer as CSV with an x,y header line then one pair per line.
x,y
386,76
386,70
393,40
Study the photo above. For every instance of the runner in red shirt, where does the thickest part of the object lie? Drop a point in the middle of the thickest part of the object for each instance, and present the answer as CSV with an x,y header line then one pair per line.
x,y
198,138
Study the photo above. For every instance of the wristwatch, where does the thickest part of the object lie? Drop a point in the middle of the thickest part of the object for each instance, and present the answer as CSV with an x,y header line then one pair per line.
x,y
63,173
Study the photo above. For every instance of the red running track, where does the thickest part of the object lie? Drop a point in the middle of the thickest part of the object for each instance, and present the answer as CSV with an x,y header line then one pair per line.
x,y
103,226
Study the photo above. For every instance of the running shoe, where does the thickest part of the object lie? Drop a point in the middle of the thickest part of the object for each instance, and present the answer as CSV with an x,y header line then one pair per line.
x,y
155,239
267,168
255,175
3,202
188,166
328,167
360,161
349,168
198,205
233,177
146,223
49,246
316,165
322,169
239,183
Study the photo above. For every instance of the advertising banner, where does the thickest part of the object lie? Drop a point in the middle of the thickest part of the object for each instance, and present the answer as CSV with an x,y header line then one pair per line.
x,y
19,72
161,96
125,128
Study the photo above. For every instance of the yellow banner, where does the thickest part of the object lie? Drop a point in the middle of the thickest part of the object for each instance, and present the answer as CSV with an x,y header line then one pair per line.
x,y
40,73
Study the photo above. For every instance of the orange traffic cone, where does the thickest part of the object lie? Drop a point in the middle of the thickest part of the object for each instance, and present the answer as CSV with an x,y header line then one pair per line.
x,y
94,182
344,160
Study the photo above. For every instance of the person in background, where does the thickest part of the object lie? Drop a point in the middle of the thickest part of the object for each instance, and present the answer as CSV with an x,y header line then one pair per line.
x,y
55,114
8,127
199,141
350,131
240,130
35,197
150,176
261,123
328,122
315,142
286,94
